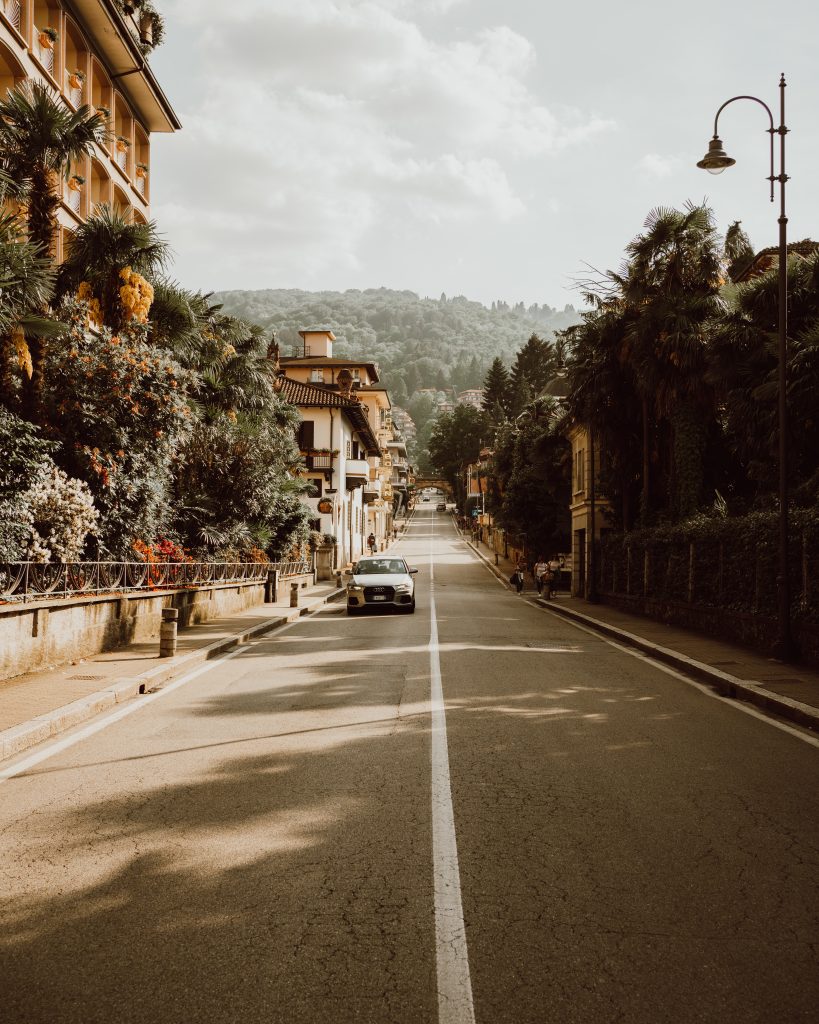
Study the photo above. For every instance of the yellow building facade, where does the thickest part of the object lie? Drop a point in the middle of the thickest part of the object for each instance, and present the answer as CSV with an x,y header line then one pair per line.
x,y
92,52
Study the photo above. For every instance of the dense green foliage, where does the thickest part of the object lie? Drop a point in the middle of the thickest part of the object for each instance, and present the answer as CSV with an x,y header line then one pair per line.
x,y
530,486
417,343
158,420
456,441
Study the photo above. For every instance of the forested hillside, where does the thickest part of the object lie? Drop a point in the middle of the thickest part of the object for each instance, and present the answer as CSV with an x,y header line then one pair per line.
x,y
417,343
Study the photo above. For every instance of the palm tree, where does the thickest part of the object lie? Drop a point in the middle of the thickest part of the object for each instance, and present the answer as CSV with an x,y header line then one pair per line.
x,y
98,252
40,140
671,286
26,285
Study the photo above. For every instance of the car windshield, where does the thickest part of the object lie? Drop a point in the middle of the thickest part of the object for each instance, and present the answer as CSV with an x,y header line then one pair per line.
x,y
375,566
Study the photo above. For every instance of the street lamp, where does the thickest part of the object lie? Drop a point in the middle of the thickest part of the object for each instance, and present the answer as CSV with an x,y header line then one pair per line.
x,y
715,161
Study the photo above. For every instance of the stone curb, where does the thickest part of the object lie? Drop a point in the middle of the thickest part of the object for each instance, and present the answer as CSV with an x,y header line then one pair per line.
x,y
724,683
20,737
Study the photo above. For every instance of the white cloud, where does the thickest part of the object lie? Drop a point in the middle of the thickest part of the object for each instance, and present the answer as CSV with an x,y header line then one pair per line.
x,y
653,167
323,121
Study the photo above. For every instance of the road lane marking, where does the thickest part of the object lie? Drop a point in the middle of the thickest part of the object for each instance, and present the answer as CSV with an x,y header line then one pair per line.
x,y
451,955
132,706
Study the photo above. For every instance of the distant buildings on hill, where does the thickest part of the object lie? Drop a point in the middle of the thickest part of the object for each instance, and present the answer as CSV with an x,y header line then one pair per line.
x,y
446,400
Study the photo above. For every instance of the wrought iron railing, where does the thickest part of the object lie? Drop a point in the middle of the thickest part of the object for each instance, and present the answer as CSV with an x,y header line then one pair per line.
x,y
31,581
11,8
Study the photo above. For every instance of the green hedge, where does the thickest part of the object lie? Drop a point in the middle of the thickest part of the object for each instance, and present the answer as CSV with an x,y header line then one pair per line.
x,y
735,563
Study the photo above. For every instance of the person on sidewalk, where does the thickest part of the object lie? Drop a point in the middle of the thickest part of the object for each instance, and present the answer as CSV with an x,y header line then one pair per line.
x,y
371,542
516,579
554,568
538,570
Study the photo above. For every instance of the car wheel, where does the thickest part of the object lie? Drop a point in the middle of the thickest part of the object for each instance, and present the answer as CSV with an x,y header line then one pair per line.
x,y
353,611
409,609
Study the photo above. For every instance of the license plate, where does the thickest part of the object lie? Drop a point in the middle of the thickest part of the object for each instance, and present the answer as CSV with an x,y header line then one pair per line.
x,y
379,597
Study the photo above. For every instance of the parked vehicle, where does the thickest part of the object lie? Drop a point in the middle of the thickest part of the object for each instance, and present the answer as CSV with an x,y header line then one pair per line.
x,y
440,507
381,583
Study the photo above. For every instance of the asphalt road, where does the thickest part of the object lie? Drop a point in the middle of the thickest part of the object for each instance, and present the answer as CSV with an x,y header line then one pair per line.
x,y
308,832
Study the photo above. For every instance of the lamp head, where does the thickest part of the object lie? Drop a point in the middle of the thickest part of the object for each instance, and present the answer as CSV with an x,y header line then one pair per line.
x,y
716,159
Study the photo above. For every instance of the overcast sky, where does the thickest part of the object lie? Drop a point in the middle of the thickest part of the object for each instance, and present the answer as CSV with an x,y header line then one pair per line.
x,y
469,146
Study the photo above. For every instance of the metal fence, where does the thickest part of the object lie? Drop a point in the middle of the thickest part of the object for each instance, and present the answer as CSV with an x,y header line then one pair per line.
x,y
30,581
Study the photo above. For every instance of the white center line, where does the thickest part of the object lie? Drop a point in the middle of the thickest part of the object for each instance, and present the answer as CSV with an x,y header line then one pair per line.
x,y
452,960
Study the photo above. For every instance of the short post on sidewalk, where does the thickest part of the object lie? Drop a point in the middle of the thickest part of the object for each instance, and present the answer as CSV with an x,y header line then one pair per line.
x,y
271,587
167,632
294,595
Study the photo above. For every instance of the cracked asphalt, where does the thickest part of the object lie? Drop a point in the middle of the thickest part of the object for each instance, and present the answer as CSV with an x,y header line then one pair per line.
x,y
255,846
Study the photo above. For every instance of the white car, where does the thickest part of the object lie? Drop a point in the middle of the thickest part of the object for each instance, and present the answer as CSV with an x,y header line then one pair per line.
x,y
381,582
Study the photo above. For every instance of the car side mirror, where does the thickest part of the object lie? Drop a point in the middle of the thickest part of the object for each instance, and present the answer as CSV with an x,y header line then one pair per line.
x,y
412,572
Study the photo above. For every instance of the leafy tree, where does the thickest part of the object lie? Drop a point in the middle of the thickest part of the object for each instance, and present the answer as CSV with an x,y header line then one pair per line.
x,y
744,369
121,413
532,468
455,441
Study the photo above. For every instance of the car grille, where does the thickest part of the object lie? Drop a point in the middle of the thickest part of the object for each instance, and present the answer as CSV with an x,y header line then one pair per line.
x,y
388,593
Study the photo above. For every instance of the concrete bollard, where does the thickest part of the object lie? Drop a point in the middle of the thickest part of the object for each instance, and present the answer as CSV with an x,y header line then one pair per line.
x,y
294,595
167,632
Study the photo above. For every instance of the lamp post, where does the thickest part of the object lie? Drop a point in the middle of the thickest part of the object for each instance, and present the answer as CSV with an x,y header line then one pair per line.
x,y
715,161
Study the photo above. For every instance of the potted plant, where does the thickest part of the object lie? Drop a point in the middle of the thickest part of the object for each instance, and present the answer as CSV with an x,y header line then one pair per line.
x,y
142,170
123,144
48,37
151,27
76,79
76,182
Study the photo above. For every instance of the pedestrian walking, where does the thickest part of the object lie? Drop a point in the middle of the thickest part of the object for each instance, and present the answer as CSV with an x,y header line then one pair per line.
x,y
554,567
516,579
538,571
371,543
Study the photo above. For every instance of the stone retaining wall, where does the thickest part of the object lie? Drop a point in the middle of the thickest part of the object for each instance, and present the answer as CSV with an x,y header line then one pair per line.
x,y
46,634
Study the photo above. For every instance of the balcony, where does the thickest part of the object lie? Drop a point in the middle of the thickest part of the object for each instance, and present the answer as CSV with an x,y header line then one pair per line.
x,y
318,459
356,473
372,491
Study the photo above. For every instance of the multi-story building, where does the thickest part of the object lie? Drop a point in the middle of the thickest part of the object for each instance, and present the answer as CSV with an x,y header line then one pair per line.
x,y
472,396
93,52
346,427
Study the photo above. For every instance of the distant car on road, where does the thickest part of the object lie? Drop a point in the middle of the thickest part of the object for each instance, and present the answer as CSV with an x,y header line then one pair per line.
x,y
440,507
425,498
381,583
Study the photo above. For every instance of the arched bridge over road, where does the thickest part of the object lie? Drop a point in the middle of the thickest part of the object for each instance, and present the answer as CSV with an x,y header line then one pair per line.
x,y
432,481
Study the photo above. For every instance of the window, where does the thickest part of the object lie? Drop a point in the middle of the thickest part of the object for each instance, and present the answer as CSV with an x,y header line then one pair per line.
x,y
317,376
348,450
306,435
316,481
580,469
356,450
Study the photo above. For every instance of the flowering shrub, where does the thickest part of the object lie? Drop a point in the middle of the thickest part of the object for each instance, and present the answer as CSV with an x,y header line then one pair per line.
x,y
162,550
121,409
60,513
136,295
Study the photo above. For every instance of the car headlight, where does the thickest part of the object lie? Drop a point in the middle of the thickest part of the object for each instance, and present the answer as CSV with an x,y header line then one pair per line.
x,y
403,588
354,588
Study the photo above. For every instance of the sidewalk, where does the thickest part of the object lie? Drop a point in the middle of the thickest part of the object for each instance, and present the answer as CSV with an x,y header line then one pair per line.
x,y
790,691
38,705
